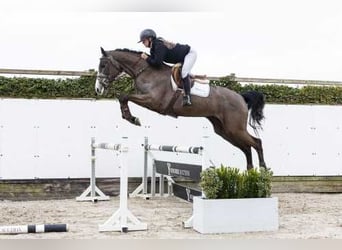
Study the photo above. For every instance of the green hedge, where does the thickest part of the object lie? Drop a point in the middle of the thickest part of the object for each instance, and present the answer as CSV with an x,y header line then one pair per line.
x,y
282,94
83,87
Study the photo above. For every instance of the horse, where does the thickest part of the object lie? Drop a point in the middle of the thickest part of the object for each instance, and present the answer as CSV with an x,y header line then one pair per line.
x,y
227,110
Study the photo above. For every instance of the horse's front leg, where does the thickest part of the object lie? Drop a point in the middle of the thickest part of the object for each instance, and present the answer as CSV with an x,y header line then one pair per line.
x,y
125,111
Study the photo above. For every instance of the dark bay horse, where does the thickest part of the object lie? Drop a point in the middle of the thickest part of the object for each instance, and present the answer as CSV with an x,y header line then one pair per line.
x,y
224,108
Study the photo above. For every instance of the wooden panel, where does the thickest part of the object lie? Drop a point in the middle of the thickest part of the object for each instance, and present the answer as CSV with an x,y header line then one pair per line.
x,y
47,189
307,184
47,72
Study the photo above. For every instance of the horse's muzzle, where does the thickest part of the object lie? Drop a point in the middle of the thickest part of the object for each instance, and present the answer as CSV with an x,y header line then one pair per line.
x,y
99,89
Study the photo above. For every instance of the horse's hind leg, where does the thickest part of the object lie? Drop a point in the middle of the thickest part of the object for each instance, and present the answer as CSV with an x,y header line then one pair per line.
x,y
248,153
258,147
239,140
245,141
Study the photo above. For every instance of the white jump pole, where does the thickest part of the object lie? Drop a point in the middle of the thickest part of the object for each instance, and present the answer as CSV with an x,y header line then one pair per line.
x,y
123,220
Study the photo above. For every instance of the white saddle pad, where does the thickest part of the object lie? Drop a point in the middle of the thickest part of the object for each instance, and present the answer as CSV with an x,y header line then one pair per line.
x,y
201,87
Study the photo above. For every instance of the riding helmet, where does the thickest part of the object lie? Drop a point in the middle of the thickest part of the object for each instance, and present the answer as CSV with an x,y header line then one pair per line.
x,y
147,33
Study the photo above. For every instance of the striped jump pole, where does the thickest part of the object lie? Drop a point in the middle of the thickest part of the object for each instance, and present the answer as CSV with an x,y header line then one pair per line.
x,y
23,229
178,149
122,220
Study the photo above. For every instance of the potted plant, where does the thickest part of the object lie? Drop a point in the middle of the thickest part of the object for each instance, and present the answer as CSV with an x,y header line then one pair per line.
x,y
235,201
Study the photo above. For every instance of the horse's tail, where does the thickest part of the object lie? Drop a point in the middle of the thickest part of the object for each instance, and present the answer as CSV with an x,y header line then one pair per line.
x,y
255,102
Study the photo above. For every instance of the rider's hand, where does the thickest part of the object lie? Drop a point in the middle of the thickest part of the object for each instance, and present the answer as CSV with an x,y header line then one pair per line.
x,y
144,56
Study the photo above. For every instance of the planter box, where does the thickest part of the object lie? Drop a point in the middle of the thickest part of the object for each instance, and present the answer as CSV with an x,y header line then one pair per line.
x,y
235,215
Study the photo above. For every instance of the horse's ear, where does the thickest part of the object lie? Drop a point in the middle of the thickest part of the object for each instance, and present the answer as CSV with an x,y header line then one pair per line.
x,y
104,53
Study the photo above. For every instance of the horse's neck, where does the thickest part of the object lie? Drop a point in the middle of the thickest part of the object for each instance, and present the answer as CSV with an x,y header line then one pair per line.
x,y
127,61
133,63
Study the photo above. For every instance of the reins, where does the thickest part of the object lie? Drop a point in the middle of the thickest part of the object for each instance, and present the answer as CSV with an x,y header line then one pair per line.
x,y
130,70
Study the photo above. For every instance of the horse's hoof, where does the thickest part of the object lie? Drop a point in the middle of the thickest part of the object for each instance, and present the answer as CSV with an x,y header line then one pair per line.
x,y
264,166
137,121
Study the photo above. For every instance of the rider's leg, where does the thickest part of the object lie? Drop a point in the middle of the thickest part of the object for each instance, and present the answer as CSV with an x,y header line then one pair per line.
x,y
186,87
188,63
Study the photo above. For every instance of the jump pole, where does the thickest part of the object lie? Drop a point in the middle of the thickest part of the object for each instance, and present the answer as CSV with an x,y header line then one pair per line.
x,y
93,193
23,229
123,220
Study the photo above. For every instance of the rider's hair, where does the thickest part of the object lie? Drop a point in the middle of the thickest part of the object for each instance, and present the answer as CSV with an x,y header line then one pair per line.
x,y
168,44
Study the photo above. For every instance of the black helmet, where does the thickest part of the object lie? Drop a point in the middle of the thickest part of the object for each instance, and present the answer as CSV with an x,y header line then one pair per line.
x,y
147,33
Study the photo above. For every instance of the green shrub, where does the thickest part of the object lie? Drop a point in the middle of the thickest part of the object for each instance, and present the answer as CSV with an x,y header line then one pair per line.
x,y
249,185
227,183
211,183
265,182
230,178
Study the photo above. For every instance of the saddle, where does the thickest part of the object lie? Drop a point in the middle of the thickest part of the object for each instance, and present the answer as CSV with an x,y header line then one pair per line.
x,y
177,77
199,87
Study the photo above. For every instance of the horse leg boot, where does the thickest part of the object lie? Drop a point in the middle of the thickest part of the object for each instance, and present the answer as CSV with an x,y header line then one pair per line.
x,y
186,87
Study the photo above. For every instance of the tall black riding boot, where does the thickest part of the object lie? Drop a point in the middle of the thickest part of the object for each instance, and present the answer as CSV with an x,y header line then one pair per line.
x,y
186,87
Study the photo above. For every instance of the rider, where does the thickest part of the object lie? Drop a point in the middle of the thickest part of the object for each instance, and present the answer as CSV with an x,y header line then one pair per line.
x,y
165,51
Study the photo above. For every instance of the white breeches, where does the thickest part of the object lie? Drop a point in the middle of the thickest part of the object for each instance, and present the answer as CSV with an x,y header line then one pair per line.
x,y
189,62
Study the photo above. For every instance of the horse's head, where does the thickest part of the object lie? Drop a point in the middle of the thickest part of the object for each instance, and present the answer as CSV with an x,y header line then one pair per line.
x,y
109,69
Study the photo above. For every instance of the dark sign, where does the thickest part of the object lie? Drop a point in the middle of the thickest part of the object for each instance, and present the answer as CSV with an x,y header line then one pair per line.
x,y
179,169
185,193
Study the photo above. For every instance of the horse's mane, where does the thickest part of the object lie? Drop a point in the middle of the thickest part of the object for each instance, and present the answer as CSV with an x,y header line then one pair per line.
x,y
128,50
137,53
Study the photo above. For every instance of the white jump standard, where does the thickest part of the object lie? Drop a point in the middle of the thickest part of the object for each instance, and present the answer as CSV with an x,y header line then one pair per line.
x,y
93,193
168,169
122,220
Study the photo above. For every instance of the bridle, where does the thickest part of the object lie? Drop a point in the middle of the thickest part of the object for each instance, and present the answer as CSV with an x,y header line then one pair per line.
x,y
105,79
